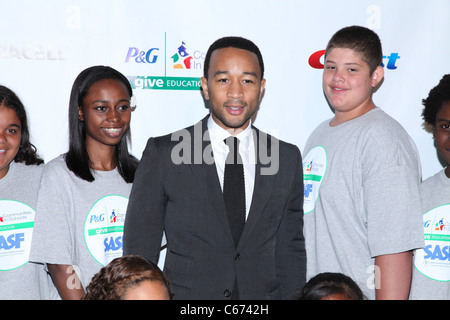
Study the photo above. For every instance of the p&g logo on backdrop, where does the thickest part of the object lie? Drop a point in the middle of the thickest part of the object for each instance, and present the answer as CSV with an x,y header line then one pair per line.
x,y
316,60
145,56
180,60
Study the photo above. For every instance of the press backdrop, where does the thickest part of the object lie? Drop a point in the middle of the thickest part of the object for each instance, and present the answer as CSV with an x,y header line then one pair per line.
x,y
160,46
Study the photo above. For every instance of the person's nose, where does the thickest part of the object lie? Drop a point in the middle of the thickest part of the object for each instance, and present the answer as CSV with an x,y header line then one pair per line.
x,y
338,75
235,90
3,138
113,115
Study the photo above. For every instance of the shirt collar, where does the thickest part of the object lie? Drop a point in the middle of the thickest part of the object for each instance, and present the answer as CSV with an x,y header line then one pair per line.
x,y
217,134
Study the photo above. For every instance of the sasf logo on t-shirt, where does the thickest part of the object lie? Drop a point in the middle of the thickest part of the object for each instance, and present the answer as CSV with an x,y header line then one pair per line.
x,y
103,228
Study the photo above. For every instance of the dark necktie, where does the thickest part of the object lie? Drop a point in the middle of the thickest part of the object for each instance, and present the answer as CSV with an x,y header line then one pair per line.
x,y
234,189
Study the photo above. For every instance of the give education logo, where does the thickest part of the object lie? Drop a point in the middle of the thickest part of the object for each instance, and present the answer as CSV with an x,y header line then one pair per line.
x,y
103,228
433,260
314,169
16,230
180,61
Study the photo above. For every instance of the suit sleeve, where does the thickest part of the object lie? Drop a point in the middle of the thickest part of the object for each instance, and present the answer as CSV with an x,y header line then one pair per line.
x,y
291,253
144,222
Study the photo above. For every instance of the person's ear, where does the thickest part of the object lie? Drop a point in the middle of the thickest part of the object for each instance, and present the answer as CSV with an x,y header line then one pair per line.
x,y
204,84
377,76
80,114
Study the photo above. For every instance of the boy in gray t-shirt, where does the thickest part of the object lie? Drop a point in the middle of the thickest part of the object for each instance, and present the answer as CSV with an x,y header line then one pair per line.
x,y
361,177
431,275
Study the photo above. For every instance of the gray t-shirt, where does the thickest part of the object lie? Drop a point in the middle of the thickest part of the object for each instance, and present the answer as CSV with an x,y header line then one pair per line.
x,y
431,273
79,223
362,199
20,279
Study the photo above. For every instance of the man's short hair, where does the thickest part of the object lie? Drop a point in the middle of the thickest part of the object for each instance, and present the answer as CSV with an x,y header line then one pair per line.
x,y
233,42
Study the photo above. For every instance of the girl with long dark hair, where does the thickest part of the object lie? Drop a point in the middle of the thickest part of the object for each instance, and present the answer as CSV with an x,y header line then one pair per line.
x,y
84,192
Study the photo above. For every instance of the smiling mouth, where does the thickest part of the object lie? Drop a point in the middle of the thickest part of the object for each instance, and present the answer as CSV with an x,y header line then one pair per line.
x,y
338,89
235,110
235,106
113,132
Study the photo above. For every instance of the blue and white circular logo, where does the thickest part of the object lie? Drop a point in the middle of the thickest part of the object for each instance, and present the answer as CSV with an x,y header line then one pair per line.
x,y
103,228
16,231
314,168
433,260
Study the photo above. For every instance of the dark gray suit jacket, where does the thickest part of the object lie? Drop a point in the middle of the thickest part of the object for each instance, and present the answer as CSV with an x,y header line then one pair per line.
x,y
185,200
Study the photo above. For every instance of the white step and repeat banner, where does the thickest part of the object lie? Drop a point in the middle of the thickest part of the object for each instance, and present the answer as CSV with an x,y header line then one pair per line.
x,y
160,46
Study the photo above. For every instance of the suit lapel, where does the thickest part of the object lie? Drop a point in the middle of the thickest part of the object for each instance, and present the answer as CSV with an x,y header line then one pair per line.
x,y
206,173
263,184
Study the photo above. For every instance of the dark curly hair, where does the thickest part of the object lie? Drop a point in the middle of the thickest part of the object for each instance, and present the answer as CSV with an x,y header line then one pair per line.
x,y
27,151
436,98
113,280
330,283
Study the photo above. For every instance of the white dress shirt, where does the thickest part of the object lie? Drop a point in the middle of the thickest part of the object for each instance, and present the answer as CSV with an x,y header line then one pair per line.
x,y
246,150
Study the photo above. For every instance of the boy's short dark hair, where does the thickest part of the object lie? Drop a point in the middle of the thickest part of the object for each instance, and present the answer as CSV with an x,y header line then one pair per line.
x,y
233,42
362,40
436,98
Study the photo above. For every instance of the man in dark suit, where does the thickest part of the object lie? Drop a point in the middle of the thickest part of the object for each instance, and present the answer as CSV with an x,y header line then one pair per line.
x,y
233,226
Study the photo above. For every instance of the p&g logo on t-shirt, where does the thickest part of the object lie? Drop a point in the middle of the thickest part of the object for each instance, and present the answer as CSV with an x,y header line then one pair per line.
x,y
103,229
434,259
314,168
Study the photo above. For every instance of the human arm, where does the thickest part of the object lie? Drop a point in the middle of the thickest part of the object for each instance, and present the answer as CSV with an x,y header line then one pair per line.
x,y
291,253
393,274
144,222
66,281
394,214
54,241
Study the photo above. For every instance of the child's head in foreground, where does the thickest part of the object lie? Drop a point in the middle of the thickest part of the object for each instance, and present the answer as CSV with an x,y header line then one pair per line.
x,y
130,277
331,286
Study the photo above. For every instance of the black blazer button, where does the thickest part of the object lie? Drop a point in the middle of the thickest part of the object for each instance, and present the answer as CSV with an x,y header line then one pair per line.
x,y
237,257
227,293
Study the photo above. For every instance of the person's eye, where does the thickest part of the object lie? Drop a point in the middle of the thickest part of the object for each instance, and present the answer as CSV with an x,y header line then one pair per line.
x,y
101,108
12,131
123,107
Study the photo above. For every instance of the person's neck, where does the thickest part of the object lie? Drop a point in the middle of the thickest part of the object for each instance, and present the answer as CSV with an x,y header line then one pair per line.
x,y
102,158
342,117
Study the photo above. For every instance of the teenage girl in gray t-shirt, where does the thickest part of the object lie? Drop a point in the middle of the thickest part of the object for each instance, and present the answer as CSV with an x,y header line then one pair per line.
x,y
83,197
20,172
